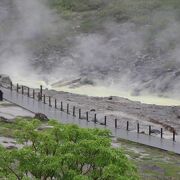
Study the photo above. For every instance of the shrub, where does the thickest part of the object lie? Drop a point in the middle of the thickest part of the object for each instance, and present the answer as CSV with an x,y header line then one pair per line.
x,y
64,152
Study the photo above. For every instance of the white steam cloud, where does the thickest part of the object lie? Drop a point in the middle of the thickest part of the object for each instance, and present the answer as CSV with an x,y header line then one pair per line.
x,y
24,26
144,58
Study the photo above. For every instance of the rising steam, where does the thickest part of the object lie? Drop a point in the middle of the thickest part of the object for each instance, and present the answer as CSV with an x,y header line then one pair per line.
x,y
143,58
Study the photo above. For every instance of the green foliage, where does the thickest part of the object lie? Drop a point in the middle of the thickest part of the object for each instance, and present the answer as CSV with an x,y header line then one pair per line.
x,y
78,5
64,152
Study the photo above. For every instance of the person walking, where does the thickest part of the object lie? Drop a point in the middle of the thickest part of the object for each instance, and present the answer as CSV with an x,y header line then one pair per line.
x,y
1,95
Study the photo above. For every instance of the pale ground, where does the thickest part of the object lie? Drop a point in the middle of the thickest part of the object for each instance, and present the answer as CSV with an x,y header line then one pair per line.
x,y
123,110
10,111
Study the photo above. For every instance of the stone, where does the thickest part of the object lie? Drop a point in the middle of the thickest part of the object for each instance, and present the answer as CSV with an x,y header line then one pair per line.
x,y
11,147
5,80
142,132
155,131
110,98
41,117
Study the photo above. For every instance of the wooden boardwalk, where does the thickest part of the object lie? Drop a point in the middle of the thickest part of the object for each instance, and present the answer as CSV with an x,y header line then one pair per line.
x,y
53,113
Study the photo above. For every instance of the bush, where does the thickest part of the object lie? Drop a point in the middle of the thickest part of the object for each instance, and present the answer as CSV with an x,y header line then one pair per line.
x,y
79,5
64,152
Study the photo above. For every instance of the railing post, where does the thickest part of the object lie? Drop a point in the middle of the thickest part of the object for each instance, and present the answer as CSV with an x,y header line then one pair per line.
x,y
95,118
149,130
127,126
44,99
87,116
137,127
33,94
61,106
55,102
116,125
174,136
74,111
41,92
50,101
105,120
11,86
22,89
79,113
1,96
28,92
161,133
17,88
67,108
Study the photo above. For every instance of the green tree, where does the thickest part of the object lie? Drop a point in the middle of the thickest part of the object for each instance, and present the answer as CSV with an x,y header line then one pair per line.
x,y
64,152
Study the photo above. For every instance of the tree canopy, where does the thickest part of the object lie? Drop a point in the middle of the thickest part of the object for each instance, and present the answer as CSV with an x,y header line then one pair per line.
x,y
64,152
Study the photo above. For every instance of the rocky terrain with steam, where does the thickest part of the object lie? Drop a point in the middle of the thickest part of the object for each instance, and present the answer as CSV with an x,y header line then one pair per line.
x,y
128,44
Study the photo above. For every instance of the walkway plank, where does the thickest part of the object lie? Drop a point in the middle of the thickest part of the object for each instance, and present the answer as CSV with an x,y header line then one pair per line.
x,y
52,113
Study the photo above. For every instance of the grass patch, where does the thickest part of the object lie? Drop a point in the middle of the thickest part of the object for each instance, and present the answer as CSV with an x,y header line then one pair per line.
x,y
152,163
8,129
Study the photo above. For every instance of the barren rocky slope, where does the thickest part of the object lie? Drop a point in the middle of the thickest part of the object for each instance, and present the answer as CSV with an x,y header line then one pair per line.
x,y
124,110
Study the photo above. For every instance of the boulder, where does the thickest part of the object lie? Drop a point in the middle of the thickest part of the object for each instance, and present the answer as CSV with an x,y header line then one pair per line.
x,y
41,117
110,98
10,147
5,80
155,131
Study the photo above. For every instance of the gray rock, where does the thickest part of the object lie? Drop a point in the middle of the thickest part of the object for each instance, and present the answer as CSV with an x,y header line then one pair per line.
x,y
11,147
155,131
41,117
5,80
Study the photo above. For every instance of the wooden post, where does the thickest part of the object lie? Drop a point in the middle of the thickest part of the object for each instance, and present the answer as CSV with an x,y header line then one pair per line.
x,y
17,89
105,120
67,108
28,92
116,125
87,116
55,102
41,92
61,106
174,136
22,89
161,133
127,126
1,95
149,130
137,127
79,113
33,94
50,101
44,98
11,86
74,111
95,118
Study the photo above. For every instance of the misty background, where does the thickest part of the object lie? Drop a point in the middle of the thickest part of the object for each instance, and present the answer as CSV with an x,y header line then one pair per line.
x,y
132,44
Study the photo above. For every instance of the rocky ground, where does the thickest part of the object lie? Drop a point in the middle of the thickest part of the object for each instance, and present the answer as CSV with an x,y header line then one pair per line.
x,y
166,117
